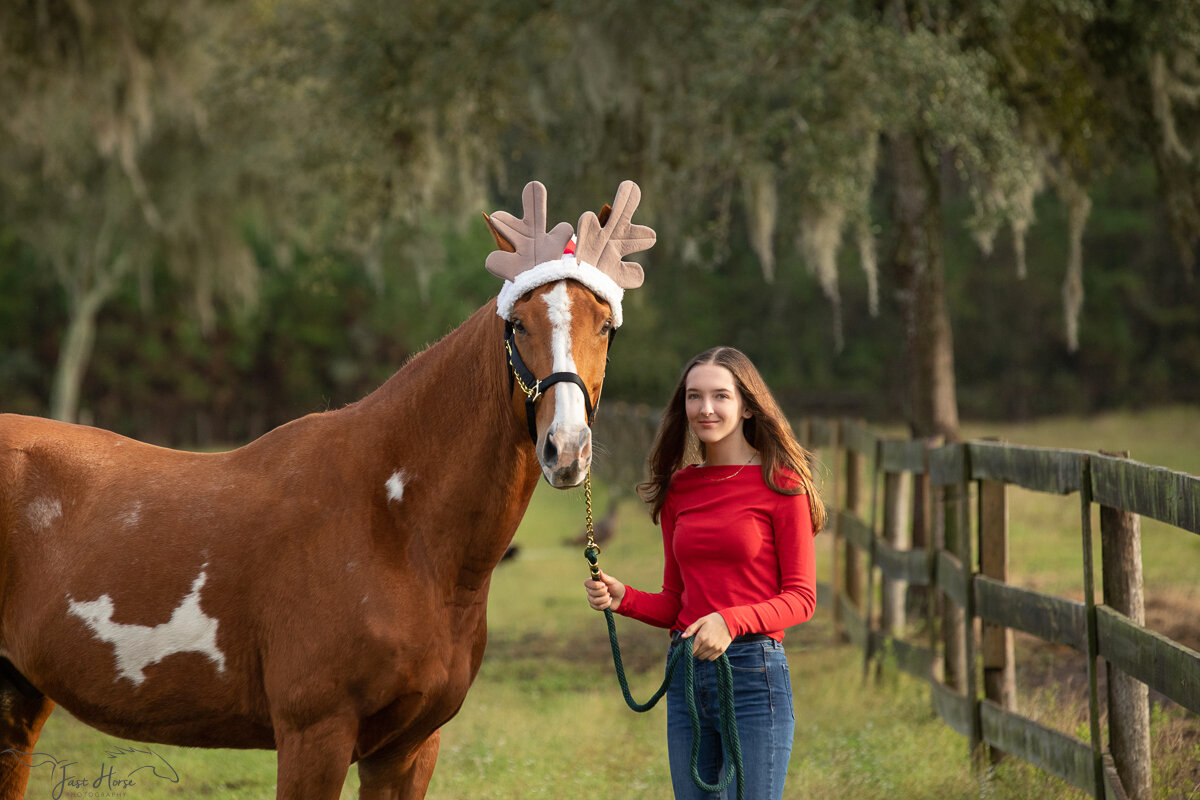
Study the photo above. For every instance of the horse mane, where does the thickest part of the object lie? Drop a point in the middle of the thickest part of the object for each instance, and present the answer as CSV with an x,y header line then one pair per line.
x,y
478,334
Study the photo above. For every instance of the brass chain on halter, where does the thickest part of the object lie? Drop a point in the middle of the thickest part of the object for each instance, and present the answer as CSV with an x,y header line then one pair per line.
x,y
592,551
534,393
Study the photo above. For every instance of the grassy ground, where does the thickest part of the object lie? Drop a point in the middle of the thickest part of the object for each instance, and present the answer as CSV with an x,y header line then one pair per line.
x,y
546,718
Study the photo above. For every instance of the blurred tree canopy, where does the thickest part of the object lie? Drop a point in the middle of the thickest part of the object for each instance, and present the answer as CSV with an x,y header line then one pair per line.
x,y
217,215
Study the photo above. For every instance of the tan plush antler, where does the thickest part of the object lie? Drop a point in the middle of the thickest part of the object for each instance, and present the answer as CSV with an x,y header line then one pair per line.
x,y
524,243
603,245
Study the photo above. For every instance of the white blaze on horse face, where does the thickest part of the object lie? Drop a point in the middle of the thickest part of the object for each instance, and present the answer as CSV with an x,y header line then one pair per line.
x,y
138,646
42,512
395,486
569,409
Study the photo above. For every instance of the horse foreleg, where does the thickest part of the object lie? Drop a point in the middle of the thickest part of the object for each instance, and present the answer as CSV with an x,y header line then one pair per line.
x,y
390,775
313,760
22,714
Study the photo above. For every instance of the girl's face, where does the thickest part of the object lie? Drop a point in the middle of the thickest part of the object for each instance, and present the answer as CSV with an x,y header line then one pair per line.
x,y
713,404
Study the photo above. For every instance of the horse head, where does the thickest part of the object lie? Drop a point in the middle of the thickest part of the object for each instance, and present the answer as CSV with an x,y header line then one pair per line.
x,y
561,302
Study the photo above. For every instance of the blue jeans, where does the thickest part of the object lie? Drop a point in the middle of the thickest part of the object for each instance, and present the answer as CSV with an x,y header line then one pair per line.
x,y
762,695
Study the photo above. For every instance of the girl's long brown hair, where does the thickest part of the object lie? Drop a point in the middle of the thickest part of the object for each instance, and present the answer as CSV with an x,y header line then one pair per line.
x,y
767,430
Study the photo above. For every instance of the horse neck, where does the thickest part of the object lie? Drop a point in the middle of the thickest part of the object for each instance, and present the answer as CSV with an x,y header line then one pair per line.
x,y
446,421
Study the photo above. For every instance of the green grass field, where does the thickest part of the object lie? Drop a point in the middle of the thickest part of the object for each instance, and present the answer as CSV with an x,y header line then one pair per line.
x,y
545,717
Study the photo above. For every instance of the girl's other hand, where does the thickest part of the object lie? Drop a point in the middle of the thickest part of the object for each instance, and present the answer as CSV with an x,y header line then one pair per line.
x,y
604,593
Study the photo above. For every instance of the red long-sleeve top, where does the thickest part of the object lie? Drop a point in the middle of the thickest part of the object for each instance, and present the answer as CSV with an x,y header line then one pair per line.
x,y
735,546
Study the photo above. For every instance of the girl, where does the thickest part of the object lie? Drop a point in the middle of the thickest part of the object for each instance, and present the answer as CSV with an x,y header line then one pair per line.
x,y
738,526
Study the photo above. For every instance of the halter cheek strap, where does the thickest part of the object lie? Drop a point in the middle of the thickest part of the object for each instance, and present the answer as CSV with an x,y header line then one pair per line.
x,y
520,376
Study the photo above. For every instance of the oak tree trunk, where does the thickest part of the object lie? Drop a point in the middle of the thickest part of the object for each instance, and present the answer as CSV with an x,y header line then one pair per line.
x,y
931,405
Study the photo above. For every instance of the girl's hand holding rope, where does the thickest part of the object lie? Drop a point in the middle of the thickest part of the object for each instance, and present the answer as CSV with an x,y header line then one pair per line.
x,y
605,593
710,636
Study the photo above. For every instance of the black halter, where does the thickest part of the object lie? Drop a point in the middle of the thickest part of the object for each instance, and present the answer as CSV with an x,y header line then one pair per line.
x,y
533,388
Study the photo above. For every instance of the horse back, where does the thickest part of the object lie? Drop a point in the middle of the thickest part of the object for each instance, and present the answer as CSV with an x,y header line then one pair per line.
x,y
55,475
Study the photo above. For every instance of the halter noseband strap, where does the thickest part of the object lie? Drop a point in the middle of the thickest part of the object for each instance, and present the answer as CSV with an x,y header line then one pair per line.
x,y
519,375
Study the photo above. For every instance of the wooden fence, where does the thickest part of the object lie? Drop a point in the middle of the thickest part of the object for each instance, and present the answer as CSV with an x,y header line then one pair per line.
x,y
961,583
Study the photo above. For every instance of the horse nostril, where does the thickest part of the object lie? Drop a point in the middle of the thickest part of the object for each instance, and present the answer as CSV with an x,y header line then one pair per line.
x,y
550,451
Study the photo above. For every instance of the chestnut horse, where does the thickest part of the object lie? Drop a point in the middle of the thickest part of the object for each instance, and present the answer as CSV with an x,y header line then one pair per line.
x,y
321,591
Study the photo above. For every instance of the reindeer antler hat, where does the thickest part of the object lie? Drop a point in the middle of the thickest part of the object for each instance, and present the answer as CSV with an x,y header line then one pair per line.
x,y
529,256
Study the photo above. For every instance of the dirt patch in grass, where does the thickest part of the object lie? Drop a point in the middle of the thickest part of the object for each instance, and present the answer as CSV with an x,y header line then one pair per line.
x,y
1040,665
643,648
1176,615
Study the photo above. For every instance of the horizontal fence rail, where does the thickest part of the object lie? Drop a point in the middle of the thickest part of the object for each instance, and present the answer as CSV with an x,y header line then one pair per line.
x,y
1165,666
1170,497
1049,618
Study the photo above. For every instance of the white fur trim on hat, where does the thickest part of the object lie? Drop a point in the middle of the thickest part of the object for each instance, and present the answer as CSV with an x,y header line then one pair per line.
x,y
565,267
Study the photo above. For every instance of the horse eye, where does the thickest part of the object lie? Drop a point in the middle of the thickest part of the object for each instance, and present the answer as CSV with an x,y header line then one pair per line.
x,y
518,326
607,327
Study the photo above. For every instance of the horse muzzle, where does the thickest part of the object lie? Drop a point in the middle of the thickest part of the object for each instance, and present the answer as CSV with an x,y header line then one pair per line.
x,y
565,454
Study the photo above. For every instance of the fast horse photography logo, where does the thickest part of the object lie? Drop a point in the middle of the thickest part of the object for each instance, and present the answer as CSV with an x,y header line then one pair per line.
x,y
120,771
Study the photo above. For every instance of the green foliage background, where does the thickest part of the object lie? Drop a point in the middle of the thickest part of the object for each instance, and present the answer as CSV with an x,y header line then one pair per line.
x,y
324,334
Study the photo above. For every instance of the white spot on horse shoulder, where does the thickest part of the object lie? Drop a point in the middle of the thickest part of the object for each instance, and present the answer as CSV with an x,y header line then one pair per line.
x,y
395,486
42,512
131,516
138,646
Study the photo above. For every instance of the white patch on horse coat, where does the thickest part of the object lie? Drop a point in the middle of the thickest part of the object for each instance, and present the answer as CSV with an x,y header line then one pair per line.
x,y
132,515
42,512
395,486
138,646
568,404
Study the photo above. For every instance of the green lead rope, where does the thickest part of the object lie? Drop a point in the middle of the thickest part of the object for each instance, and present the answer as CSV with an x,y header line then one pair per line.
x,y
730,745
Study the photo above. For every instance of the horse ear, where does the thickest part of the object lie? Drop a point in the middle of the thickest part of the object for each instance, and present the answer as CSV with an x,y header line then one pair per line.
x,y
603,215
501,242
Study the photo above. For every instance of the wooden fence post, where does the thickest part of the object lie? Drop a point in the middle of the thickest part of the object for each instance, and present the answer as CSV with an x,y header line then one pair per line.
x,y
852,562
999,676
958,623
922,526
954,619
895,514
832,496
1128,698
1093,631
